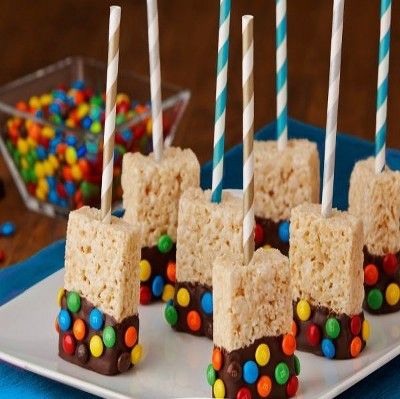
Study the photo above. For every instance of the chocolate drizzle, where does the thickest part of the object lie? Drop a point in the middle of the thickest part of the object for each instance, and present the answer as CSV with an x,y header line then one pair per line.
x,y
158,262
113,360
319,316
382,283
196,291
271,235
231,372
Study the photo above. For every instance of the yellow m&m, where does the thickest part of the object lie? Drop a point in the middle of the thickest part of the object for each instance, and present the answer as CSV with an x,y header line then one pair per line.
x,y
303,310
60,295
392,294
96,346
145,270
136,354
262,354
366,331
219,389
183,297
168,292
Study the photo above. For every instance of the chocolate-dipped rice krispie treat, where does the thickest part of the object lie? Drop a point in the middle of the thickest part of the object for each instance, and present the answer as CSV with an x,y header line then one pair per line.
x,y
375,198
151,193
326,260
282,179
98,322
206,230
253,354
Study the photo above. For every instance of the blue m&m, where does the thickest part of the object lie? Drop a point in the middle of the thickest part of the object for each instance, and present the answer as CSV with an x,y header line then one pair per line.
x,y
157,286
284,231
96,319
7,229
207,303
64,320
250,372
328,348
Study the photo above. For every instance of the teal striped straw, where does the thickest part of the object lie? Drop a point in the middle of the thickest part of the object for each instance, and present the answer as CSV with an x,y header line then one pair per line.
x,y
383,81
220,99
281,75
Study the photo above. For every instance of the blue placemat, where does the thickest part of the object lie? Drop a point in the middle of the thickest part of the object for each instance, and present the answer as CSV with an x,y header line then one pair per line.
x,y
14,382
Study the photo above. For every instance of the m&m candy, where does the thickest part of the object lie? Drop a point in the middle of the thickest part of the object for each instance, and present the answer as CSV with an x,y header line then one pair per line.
x,y
96,319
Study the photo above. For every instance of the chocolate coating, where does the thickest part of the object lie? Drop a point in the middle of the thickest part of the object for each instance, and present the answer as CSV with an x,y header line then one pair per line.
x,y
231,370
159,262
319,315
271,235
196,292
382,283
107,363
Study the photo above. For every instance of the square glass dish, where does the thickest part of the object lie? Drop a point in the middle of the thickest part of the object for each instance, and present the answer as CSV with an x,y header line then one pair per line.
x,y
51,131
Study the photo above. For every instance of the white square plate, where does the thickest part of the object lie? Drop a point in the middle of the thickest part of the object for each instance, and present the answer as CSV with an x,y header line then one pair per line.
x,y
174,363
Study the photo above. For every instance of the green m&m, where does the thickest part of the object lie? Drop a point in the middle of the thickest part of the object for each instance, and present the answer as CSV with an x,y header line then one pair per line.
x,y
211,375
375,299
332,328
165,243
109,337
281,373
73,301
171,315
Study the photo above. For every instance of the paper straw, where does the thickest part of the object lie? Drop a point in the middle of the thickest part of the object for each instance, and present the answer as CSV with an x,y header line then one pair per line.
x,y
220,99
382,92
281,75
332,109
155,78
109,125
248,133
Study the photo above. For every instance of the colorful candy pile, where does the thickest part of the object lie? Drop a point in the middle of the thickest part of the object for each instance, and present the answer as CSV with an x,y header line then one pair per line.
x,y
61,162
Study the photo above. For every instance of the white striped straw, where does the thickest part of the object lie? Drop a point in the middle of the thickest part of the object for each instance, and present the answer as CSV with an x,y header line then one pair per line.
x,y
155,78
332,109
109,125
248,133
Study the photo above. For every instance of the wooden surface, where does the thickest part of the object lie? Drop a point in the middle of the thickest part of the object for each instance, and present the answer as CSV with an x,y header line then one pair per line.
x,y
35,34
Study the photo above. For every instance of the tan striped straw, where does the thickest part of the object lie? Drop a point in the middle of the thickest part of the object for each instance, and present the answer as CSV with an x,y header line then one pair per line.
x,y
155,78
248,133
109,126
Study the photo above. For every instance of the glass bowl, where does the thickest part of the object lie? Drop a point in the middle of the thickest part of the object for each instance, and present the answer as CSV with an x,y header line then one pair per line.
x,y
53,145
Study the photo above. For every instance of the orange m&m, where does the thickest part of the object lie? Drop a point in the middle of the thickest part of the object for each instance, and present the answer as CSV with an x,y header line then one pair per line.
x,y
288,344
264,386
371,274
79,329
216,359
130,336
193,320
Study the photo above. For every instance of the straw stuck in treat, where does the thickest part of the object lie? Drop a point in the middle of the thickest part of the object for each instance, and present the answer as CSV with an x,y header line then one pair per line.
x,y
220,99
281,75
383,82
248,133
155,78
109,125
332,110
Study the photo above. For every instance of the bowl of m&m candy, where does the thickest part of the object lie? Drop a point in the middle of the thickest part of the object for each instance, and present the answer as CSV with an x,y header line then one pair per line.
x,y
52,125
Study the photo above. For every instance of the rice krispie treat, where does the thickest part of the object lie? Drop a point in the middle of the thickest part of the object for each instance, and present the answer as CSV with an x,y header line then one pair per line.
x,y
253,343
282,180
98,322
326,260
151,192
375,199
206,230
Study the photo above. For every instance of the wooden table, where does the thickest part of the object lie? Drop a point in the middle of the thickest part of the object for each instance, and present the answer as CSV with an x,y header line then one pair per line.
x,y
35,34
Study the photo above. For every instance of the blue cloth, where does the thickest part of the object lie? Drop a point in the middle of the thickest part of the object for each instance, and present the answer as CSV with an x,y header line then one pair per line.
x,y
383,383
